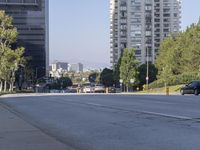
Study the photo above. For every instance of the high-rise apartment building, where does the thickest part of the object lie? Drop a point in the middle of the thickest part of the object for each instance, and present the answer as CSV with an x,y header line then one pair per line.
x,y
142,25
31,19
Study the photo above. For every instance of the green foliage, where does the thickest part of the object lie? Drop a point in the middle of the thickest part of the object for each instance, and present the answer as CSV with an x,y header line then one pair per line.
x,y
10,59
61,83
116,73
65,82
106,77
179,54
128,67
93,77
176,80
143,73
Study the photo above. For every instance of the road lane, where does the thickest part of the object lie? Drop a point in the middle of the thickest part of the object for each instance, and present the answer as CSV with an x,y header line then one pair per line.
x,y
102,122
188,107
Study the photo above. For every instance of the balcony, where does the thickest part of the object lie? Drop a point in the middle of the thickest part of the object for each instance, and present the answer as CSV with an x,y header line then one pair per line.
x,y
19,2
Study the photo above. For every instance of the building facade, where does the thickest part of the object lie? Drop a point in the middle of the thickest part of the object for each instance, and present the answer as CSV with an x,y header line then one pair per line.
x,y
76,67
59,65
142,25
31,19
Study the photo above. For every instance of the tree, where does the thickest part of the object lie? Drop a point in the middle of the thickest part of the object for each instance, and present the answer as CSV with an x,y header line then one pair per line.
x,y
13,58
116,72
65,82
128,68
24,76
106,77
61,83
143,73
179,54
93,77
9,58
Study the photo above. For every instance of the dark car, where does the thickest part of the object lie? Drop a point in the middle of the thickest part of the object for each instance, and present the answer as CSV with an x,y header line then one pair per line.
x,y
191,88
111,90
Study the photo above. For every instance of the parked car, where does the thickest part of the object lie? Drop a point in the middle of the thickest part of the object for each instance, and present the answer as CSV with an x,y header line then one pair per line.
x,y
71,90
111,90
88,89
191,88
99,89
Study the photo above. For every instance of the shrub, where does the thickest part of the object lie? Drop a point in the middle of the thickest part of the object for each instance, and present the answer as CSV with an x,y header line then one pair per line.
x,y
176,80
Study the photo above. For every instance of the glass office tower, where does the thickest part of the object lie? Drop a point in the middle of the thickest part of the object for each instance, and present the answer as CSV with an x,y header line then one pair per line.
x,y
31,19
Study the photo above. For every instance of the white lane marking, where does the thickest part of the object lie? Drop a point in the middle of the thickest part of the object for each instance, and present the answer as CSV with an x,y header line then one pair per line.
x,y
145,112
167,115
95,104
160,102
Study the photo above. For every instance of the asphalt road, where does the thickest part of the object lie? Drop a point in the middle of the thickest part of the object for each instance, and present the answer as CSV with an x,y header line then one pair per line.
x,y
114,122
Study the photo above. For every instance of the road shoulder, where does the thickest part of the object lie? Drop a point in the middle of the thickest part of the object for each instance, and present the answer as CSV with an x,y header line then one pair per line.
x,y
16,134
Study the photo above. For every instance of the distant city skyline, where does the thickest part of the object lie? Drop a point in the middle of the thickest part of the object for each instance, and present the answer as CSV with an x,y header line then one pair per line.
x,y
79,30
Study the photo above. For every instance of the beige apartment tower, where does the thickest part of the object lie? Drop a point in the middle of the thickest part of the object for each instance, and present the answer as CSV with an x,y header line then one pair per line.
x,y
142,25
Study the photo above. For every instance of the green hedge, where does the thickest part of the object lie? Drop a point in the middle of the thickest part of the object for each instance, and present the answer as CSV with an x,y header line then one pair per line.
x,y
176,80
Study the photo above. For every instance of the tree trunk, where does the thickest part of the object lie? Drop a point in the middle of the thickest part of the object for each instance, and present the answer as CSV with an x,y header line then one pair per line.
x,y
127,88
5,86
12,86
12,81
1,86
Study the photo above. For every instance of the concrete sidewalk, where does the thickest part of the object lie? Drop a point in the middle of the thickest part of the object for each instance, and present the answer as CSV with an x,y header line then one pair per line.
x,y
16,134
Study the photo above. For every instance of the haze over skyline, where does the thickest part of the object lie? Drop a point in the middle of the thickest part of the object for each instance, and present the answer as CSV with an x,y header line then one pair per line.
x,y
79,30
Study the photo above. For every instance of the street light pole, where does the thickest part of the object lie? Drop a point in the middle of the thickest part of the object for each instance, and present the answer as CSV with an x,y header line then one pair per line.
x,y
36,72
147,73
20,82
121,84
132,81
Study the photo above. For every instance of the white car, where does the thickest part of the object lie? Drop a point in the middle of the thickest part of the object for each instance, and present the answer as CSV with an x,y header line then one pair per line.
x,y
88,89
99,89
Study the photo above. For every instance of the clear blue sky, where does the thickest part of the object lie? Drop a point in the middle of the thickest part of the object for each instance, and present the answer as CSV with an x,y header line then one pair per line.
x,y
79,29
